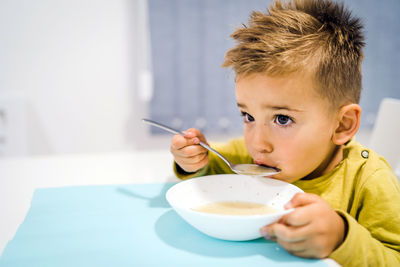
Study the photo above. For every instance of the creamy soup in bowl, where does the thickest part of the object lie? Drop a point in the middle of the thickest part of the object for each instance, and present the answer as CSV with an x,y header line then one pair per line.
x,y
235,208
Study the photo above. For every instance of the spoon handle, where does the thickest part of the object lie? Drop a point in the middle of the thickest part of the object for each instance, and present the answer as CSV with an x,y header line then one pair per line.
x,y
174,131
162,126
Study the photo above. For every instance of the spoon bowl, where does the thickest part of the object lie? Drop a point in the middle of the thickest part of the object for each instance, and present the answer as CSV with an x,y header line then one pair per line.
x,y
245,169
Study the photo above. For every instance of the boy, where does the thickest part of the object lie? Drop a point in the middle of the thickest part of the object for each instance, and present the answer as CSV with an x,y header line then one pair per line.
x,y
298,84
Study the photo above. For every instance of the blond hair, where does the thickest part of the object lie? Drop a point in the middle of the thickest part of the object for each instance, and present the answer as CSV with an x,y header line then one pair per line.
x,y
303,35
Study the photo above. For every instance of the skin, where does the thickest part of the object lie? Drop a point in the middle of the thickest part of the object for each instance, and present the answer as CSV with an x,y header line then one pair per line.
x,y
289,126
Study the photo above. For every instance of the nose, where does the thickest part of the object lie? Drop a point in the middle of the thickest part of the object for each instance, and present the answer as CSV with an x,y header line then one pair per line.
x,y
261,140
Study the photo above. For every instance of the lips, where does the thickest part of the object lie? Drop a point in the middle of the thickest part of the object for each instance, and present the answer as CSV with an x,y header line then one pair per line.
x,y
268,165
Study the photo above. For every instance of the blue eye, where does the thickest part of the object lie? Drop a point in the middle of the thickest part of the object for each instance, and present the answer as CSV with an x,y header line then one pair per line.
x,y
283,120
247,117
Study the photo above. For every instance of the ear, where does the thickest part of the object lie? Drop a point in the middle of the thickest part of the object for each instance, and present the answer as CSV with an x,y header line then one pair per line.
x,y
348,123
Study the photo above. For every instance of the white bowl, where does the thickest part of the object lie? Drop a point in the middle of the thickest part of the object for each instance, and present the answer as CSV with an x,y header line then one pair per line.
x,y
193,193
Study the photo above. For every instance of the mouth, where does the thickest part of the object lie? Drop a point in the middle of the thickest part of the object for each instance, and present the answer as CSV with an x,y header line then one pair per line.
x,y
267,166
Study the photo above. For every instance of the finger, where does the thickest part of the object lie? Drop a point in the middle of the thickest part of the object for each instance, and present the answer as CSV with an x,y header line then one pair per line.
x,y
305,249
287,233
301,199
294,247
188,151
306,253
191,160
179,142
191,136
267,232
193,167
193,133
301,216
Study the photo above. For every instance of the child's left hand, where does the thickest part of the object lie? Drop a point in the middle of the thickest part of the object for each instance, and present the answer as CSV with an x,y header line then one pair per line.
x,y
312,230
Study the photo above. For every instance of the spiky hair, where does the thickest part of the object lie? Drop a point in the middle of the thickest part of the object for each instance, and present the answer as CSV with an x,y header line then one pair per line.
x,y
320,36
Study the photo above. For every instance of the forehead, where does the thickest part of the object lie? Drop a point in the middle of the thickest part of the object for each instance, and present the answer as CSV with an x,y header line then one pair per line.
x,y
295,91
296,80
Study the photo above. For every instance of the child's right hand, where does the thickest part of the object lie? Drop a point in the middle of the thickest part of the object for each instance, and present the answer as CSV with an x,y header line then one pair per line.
x,y
187,152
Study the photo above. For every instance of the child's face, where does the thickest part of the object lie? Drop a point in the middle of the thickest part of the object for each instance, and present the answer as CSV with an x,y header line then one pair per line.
x,y
287,125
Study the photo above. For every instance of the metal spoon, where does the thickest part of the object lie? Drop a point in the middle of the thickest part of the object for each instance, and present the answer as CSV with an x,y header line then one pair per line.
x,y
246,169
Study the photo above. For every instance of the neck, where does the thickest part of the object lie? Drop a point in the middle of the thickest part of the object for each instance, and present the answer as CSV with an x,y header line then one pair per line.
x,y
336,156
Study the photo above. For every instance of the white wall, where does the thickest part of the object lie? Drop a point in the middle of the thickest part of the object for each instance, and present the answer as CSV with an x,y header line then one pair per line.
x,y
73,60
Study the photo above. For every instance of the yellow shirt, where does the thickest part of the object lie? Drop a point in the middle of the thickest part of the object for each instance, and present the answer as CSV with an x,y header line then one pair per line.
x,y
362,189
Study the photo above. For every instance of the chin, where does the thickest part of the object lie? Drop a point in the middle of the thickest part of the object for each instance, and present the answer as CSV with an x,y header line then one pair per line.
x,y
276,176
283,177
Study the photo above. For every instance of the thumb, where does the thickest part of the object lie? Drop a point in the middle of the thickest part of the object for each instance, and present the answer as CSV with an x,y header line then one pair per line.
x,y
301,199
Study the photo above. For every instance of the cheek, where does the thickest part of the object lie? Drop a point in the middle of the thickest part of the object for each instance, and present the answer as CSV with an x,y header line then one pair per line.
x,y
307,154
289,155
302,149
247,140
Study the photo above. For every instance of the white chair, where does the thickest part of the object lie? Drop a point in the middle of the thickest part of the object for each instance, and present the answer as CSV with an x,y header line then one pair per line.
x,y
385,136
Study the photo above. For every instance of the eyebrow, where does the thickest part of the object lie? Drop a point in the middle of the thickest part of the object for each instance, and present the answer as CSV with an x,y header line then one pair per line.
x,y
273,107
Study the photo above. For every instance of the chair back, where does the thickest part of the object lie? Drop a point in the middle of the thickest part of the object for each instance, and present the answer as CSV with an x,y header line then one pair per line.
x,y
385,136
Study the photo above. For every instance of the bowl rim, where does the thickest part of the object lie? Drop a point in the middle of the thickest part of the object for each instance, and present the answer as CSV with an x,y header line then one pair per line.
x,y
280,212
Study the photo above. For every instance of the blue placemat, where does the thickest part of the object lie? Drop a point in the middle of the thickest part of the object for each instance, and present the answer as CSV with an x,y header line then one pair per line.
x,y
127,225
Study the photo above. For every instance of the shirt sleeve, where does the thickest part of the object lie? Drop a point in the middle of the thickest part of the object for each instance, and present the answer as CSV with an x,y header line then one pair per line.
x,y
373,236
